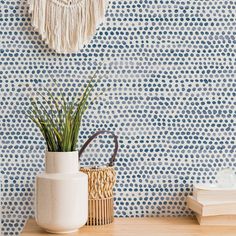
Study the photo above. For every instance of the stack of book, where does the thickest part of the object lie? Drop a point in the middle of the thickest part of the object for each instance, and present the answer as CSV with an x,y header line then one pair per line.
x,y
213,205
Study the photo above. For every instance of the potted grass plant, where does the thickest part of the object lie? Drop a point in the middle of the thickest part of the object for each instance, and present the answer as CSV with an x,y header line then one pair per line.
x,y
62,190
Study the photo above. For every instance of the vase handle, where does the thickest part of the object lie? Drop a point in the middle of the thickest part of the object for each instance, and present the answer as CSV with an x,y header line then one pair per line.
x,y
113,157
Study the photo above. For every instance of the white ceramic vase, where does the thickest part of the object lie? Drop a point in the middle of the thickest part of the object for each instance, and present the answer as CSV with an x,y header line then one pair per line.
x,y
61,194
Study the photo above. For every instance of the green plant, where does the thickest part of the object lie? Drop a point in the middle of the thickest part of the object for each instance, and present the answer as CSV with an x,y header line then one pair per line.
x,y
59,120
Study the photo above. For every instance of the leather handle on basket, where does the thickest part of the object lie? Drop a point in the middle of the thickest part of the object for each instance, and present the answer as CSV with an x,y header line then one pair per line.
x,y
113,157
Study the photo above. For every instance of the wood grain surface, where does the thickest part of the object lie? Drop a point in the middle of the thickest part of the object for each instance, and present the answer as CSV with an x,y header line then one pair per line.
x,y
166,226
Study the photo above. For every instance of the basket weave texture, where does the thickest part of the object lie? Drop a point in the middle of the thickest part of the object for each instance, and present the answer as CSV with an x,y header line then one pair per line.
x,y
101,182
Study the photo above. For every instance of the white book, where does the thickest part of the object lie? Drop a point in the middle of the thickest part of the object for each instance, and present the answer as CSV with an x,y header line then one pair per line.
x,y
206,192
211,208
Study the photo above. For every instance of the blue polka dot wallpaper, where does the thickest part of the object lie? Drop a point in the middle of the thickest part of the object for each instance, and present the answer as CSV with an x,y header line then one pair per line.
x,y
169,78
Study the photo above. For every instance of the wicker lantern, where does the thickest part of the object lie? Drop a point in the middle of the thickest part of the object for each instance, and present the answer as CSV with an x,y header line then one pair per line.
x,y
101,181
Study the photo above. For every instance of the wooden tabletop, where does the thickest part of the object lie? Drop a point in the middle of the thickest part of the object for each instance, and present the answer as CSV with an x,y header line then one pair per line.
x,y
159,226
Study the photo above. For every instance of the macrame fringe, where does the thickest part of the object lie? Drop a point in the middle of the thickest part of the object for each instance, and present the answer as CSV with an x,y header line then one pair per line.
x,y
67,25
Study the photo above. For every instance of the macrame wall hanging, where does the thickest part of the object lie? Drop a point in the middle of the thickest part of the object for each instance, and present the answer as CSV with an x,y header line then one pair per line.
x,y
67,25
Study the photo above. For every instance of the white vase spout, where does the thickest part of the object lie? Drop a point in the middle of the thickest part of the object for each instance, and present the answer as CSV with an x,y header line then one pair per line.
x,y
62,162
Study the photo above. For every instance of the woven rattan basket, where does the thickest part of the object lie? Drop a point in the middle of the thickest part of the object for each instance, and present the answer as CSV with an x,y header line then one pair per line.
x,y
101,182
